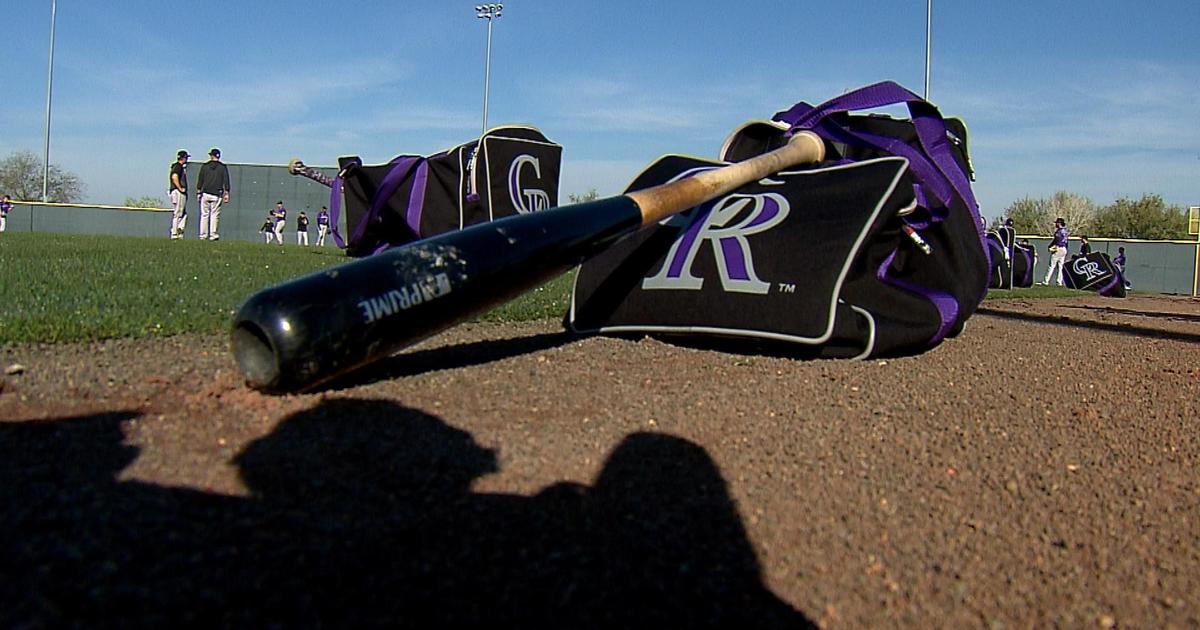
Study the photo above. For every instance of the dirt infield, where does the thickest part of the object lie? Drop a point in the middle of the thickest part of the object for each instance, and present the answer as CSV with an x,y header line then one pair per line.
x,y
1043,469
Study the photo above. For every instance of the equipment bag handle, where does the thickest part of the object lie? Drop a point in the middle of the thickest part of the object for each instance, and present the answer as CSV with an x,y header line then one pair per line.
x,y
401,167
936,169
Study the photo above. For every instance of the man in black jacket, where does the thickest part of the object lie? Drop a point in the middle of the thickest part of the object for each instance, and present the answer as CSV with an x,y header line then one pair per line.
x,y
213,190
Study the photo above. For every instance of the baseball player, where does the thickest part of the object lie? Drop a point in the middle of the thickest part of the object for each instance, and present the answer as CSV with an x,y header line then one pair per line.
x,y
213,191
1058,252
322,226
5,207
280,214
178,194
302,229
268,228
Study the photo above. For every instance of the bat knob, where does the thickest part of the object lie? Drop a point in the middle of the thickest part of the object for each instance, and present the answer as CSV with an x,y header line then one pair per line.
x,y
255,356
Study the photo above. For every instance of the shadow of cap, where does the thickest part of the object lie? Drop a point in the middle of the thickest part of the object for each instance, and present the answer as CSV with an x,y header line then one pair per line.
x,y
346,448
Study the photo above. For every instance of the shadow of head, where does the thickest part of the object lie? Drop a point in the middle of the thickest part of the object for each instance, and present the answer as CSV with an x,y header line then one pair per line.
x,y
344,450
71,453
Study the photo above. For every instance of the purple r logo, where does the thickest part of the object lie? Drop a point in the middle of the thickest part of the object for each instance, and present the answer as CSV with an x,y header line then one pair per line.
x,y
715,222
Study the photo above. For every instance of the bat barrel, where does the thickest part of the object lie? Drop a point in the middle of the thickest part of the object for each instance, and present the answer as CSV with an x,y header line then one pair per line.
x,y
304,332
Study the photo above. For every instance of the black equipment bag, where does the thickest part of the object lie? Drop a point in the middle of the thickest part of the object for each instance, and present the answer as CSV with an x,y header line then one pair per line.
x,y
867,254
1001,276
1024,259
1012,262
1094,272
510,170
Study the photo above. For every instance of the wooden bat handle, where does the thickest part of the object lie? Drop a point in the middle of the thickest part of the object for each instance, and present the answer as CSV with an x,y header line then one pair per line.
x,y
296,167
664,200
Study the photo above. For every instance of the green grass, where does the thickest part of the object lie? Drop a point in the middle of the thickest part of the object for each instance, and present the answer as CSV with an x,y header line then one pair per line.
x,y
69,287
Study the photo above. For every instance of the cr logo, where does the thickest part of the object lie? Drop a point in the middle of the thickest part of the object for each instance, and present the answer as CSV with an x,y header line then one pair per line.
x,y
526,200
1087,268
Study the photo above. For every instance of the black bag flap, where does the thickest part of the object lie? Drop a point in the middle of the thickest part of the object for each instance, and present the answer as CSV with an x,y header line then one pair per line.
x,y
522,169
1093,272
766,261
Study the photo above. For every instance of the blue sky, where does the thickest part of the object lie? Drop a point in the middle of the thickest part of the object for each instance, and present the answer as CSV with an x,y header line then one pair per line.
x,y
1099,98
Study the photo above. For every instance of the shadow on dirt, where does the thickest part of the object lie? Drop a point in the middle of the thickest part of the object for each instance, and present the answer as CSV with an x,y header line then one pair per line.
x,y
361,514
449,357
1124,329
1180,317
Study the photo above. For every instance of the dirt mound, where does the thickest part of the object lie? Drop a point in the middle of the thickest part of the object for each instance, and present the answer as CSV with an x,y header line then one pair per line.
x,y
1040,469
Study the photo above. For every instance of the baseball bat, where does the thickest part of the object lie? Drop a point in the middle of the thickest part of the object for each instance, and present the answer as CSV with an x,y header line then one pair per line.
x,y
304,332
297,167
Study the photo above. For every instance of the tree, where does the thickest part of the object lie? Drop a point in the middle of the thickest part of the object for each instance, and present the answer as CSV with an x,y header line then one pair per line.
x,y
1030,216
1078,211
21,178
1148,218
1036,216
590,195
145,202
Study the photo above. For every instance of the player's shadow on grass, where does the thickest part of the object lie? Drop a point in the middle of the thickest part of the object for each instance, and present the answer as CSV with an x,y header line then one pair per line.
x,y
362,514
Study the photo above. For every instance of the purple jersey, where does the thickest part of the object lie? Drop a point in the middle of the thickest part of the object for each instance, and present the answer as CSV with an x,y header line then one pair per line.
x,y
1060,238
280,214
5,208
322,218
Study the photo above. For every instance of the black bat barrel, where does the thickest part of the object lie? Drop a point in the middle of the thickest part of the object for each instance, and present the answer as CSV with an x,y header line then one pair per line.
x,y
303,332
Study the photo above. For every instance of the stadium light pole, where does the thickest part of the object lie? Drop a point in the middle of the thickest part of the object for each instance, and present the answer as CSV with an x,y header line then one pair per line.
x,y
487,12
49,90
928,39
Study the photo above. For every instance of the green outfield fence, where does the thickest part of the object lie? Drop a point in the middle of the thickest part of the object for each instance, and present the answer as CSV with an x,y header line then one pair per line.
x,y
256,188
1169,267
1151,266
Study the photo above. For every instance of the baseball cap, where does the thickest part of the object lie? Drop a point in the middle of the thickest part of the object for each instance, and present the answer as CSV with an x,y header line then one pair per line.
x,y
183,154
215,152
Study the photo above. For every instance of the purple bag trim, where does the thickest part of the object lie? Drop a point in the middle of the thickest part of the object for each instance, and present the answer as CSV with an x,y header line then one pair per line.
x,y
917,224
401,167
416,198
1028,279
945,303
919,221
335,210
1118,279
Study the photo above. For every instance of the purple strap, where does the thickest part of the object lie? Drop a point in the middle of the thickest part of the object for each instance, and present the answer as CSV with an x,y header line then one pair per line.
x,y
401,167
416,198
335,210
936,170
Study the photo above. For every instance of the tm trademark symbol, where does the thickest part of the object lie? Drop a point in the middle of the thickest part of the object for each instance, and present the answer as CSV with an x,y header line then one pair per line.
x,y
785,287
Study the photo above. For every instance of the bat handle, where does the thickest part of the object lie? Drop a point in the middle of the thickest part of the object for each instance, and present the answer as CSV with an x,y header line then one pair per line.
x,y
660,202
